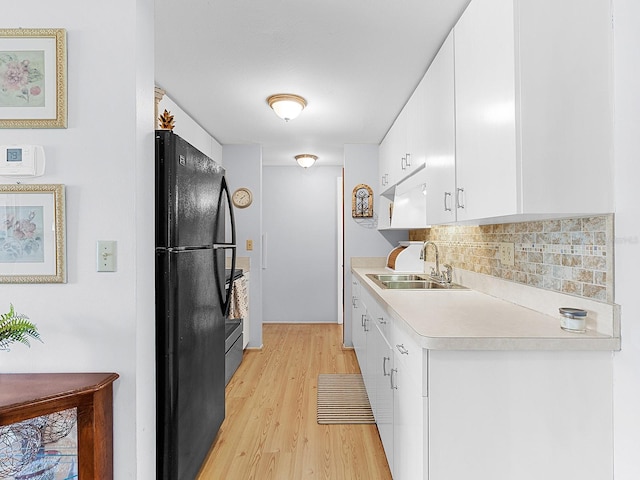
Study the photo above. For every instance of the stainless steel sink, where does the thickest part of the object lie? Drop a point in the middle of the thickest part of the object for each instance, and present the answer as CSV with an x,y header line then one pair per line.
x,y
397,277
422,285
411,282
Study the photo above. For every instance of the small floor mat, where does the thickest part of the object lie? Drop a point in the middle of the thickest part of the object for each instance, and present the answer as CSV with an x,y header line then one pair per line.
x,y
342,398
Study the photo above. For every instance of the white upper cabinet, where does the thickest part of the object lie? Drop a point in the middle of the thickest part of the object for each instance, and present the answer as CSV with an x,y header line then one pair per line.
x,y
513,119
415,155
485,111
440,137
533,109
388,152
402,152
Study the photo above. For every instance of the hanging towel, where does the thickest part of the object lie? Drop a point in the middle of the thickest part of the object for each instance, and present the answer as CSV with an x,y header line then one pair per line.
x,y
239,299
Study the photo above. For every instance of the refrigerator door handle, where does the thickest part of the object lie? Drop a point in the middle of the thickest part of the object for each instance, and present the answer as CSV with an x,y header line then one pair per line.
x,y
225,291
225,190
225,302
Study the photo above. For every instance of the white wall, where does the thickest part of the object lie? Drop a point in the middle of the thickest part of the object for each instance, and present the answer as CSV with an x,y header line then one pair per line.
x,y
301,224
243,164
627,231
361,239
99,321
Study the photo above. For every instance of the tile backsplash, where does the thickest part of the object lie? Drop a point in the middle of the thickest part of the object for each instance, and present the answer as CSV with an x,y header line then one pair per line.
x,y
573,255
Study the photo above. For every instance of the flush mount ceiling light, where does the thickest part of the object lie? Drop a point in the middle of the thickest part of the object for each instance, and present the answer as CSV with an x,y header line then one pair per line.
x,y
286,105
305,160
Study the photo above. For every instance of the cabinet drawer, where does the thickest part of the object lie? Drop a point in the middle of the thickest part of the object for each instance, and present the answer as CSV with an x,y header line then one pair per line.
x,y
378,315
411,358
383,322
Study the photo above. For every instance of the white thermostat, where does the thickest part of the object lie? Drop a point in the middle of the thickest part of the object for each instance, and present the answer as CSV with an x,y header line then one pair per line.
x,y
21,160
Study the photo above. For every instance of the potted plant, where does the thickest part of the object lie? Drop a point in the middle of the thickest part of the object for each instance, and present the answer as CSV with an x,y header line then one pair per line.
x,y
16,327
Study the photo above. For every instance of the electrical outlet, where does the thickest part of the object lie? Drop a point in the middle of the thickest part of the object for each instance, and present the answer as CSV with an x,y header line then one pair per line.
x,y
249,245
507,253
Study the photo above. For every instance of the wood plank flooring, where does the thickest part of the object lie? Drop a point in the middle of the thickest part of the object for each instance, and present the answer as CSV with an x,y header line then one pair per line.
x,y
270,430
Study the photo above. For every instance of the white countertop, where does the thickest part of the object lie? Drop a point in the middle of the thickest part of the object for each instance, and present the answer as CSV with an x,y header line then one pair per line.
x,y
471,320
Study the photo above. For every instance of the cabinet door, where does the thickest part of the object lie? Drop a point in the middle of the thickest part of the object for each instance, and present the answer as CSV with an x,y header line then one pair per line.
x,y
485,110
371,361
416,139
410,425
439,136
398,166
384,152
358,313
384,393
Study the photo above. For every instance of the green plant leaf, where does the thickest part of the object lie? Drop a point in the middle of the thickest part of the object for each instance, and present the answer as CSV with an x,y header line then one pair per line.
x,y
16,327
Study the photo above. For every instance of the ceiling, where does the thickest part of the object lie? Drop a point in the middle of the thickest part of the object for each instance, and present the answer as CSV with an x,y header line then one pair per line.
x,y
356,62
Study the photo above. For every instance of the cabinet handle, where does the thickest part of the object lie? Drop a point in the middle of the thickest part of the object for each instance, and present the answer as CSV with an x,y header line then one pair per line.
x,y
384,366
447,208
364,323
362,317
407,160
403,163
382,321
382,181
394,385
460,197
402,350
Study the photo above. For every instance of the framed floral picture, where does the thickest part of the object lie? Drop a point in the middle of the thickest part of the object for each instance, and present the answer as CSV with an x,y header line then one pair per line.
x,y
33,84
32,234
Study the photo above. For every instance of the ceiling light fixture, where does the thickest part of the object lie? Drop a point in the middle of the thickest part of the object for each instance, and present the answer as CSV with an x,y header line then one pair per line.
x,y
305,160
286,105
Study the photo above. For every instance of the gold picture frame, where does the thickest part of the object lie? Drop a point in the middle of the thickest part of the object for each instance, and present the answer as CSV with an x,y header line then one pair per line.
x,y
32,233
33,78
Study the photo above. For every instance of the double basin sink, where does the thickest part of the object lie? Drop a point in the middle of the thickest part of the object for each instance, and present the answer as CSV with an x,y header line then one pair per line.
x,y
411,281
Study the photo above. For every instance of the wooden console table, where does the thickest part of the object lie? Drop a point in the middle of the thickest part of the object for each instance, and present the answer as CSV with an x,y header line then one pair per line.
x,y
30,395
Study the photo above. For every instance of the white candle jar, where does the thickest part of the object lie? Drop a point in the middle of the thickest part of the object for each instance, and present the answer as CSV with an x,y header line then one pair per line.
x,y
573,319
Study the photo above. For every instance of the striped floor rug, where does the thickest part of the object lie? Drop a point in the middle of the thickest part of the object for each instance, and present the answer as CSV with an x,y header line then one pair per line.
x,y
342,398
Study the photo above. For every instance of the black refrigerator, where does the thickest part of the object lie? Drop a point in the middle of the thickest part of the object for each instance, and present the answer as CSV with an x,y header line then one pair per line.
x,y
195,234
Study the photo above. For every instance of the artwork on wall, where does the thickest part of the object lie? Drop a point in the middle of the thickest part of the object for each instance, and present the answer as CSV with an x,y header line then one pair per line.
x,y
32,234
33,85
362,201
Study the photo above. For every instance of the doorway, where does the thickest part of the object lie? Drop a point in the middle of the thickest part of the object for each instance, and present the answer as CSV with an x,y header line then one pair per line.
x,y
300,278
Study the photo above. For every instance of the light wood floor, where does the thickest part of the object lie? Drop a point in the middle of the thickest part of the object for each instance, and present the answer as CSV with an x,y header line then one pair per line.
x,y
270,430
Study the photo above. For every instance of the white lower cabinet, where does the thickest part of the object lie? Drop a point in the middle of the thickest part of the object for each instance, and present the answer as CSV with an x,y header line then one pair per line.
x,y
410,420
384,393
485,415
520,415
392,370
358,314
369,365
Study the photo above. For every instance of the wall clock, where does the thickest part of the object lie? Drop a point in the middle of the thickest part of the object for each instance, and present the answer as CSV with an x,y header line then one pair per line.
x,y
242,197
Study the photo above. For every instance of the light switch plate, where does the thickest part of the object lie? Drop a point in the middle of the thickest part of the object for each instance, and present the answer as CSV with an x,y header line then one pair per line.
x,y
107,256
507,253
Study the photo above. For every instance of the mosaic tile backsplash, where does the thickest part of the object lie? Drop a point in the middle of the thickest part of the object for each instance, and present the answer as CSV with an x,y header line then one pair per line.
x,y
573,256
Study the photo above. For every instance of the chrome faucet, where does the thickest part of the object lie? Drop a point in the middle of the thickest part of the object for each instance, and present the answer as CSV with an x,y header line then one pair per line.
x,y
423,256
436,274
